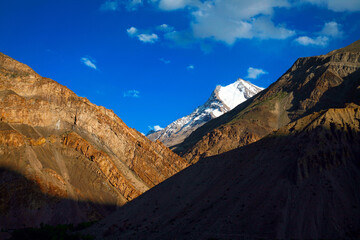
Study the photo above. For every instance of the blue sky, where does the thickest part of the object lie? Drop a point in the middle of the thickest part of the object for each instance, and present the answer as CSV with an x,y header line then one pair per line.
x,y
153,61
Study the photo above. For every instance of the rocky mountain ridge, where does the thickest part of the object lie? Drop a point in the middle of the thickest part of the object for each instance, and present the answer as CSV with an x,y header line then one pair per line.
x,y
70,152
311,84
222,100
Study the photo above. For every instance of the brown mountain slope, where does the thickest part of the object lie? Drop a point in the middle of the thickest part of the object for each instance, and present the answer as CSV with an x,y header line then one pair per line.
x,y
71,148
311,84
301,182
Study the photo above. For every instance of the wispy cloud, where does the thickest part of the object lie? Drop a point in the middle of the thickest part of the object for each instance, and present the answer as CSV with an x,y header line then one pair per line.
x,y
114,5
190,67
165,28
111,5
308,41
329,31
183,39
133,4
148,38
170,5
158,128
132,31
155,128
165,61
332,29
132,93
254,73
142,36
89,62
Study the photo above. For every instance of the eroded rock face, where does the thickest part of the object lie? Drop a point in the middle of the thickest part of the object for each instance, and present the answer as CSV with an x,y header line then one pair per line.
x,y
300,182
311,84
61,146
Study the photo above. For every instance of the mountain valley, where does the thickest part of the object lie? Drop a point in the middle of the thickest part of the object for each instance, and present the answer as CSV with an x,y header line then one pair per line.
x,y
283,164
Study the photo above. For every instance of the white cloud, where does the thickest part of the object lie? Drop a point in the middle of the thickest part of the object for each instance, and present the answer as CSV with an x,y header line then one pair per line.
x,y
230,20
133,4
143,37
88,62
131,31
165,28
332,29
158,128
165,61
338,5
132,93
254,73
190,67
321,41
155,128
169,5
221,20
148,38
264,28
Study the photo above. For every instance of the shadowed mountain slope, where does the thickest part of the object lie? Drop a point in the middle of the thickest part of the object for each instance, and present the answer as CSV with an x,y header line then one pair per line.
x,y
70,148
311,84
25,203
300,182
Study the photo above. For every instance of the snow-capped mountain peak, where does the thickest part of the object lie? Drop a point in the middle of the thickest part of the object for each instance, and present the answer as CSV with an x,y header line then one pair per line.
x,y
237,92
222,100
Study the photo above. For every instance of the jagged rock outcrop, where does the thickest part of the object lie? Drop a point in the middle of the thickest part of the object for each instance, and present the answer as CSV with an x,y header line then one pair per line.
x,y
74,159
222,100
311,84
300,182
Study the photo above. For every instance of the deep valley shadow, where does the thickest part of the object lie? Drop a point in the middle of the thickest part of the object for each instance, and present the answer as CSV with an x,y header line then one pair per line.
x,y
23,205
301,183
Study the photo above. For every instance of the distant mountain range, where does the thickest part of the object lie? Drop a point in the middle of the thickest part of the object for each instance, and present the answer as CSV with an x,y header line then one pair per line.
x,y
222,100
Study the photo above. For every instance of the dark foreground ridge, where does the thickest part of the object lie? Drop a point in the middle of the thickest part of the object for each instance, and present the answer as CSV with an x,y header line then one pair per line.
x,y
22,198
300,182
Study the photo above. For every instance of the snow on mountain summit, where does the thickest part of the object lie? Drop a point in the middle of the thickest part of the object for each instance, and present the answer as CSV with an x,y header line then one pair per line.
x,y
237,92
222,100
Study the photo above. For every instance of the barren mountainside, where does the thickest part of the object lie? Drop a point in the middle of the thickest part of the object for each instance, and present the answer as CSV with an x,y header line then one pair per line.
x,y
64,159
311,84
